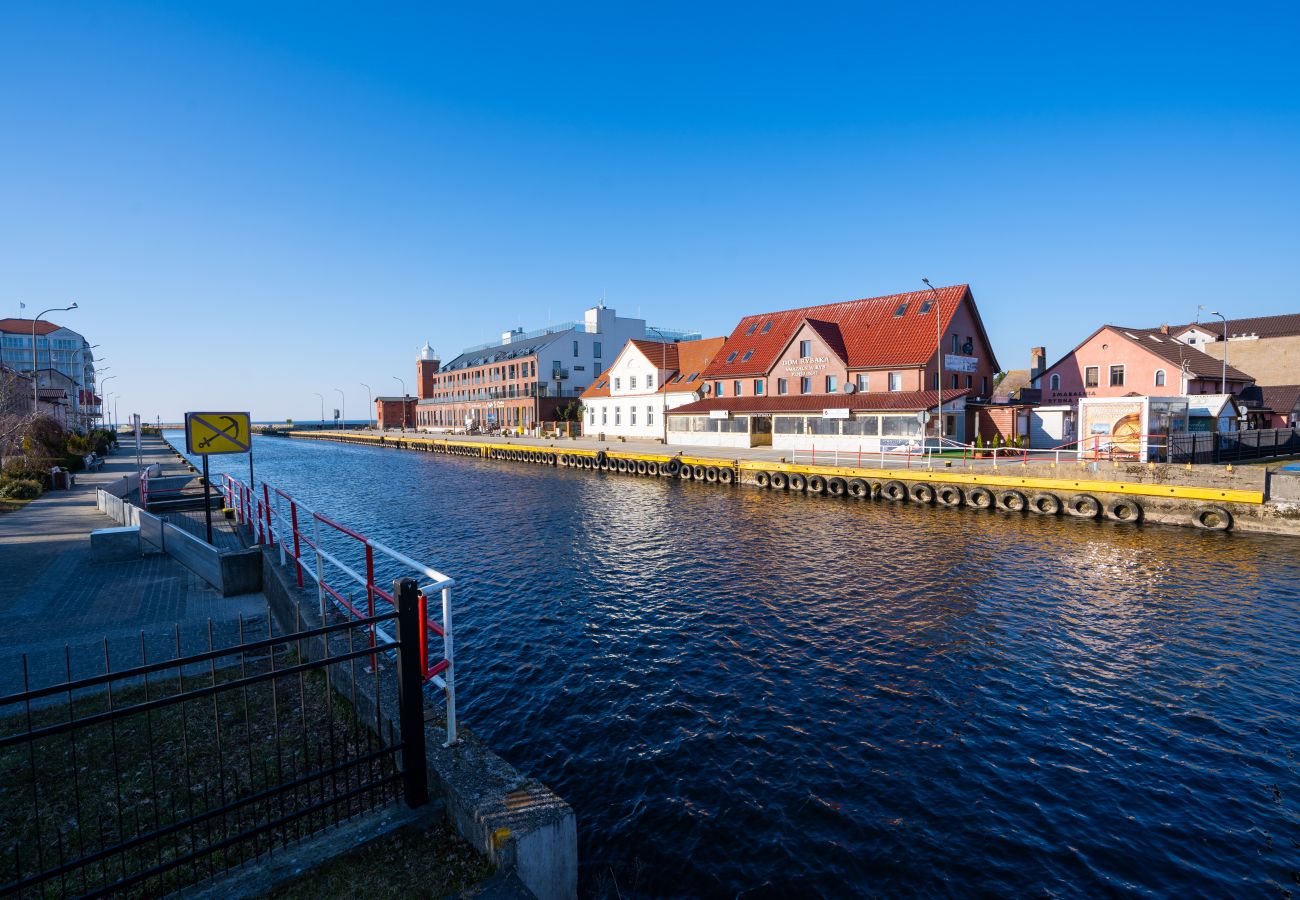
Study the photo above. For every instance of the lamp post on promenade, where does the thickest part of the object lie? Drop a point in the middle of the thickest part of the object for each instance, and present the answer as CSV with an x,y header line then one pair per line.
x,y
322,409
36,381
343,406
1223,382
938,352
403,384
370,401
103,402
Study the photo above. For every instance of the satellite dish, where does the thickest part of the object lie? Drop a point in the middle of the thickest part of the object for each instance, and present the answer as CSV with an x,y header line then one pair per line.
x,y
706,388
849,387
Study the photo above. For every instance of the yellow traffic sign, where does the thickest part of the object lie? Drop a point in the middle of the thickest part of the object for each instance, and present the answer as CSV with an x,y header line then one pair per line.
x,y
210,433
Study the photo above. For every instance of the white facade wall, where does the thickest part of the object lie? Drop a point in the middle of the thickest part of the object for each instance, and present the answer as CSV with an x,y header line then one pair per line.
x,y
708,439
575,352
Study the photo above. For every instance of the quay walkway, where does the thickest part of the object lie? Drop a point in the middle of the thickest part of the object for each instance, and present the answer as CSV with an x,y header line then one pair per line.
x,y
62,611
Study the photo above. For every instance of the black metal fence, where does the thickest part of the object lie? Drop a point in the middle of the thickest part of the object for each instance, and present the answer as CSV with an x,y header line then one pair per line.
x,y
1233,446
149,779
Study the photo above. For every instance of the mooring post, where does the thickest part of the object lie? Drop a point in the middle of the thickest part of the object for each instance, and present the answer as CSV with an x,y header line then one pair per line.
x,y
410,693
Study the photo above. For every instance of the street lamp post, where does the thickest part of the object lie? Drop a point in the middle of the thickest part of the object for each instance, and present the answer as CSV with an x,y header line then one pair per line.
x,y
36,403
1223,383
343,406
403,384
370,401
322,409
103,401
938,351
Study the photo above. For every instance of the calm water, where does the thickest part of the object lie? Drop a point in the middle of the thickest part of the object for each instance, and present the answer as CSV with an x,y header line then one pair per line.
x,y
747,693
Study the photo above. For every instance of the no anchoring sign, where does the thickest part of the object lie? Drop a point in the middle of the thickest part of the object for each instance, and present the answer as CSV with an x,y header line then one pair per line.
x,y
210,433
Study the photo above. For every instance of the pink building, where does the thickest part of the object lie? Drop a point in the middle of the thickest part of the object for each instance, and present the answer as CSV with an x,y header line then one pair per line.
x,y
1118,362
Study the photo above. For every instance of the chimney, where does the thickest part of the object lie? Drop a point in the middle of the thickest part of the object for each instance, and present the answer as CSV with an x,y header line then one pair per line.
x,y
1037,362
1164,328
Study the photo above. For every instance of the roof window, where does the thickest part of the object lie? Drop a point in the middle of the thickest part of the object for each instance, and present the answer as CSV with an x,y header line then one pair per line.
x,y
767,326
925,306
752,327
748,354
902,308
694,375
732,356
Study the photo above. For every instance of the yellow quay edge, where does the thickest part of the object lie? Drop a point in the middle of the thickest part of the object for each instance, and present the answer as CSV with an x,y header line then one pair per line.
x,y
484,448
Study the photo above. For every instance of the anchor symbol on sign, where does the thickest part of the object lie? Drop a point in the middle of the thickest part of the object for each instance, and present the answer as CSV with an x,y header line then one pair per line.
x,y
231,431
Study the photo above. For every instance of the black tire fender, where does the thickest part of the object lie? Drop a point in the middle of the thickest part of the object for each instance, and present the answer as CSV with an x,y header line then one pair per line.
x,y
763,479
894,490
1083,506
726,475
920,492
837,486
816,484
1012,501
1045,504
981,498
949,495
780,481
798,482
711,474
1212,518
686,472
1124,511
601,457
858,489
674,466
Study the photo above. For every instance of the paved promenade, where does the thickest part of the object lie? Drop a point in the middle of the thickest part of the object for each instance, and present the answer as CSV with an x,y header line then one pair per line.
x,y
52,596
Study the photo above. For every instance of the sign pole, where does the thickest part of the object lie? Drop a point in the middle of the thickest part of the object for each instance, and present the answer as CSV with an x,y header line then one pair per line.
x,y
207,497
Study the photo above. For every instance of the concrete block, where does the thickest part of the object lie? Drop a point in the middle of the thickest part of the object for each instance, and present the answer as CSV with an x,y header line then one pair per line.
x,y
114,544
1284,486
241,572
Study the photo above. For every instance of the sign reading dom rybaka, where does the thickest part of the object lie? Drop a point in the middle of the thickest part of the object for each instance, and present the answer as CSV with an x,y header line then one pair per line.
x,y
212,433
960,363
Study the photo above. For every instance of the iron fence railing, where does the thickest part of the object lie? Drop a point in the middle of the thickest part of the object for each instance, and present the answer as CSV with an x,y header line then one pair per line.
x,y
152,778
1234,446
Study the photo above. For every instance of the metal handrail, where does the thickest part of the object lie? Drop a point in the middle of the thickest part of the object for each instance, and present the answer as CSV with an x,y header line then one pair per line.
x,y
288,530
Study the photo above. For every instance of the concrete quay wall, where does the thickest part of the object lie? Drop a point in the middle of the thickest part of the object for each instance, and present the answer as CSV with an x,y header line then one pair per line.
x,y
1222,499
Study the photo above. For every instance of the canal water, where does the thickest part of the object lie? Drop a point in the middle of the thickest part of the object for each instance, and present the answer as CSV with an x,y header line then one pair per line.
x,y
746,693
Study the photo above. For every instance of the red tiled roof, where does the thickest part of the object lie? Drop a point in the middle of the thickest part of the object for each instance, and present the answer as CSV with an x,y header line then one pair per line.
x,y
684,358
1281,398
24,326
867,333
883,401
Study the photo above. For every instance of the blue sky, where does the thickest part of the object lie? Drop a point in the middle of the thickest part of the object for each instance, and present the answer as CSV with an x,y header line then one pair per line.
x,y
252,202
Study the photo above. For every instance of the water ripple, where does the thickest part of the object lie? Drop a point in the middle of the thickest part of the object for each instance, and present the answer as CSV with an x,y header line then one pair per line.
x,y
754,694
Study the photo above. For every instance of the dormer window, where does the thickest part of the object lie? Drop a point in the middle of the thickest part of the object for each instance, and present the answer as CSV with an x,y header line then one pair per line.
x,y
902,308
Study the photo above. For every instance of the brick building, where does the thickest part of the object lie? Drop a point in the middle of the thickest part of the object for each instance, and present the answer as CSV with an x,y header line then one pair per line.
x,y
855,373
520,381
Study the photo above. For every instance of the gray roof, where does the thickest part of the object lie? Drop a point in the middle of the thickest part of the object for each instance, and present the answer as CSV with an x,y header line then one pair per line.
x,y
502,352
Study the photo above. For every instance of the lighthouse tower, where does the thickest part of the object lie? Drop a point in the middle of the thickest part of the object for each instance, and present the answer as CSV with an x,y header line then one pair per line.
x,y
427,365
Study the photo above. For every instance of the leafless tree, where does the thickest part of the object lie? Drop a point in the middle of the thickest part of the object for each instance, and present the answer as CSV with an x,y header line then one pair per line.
x,y
16,412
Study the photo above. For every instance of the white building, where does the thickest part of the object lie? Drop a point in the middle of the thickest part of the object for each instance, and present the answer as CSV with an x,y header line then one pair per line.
x,y
644,381
64,363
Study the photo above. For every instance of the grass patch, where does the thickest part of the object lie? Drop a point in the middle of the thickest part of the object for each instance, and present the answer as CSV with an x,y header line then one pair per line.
x,y
188,779
410,862
9,505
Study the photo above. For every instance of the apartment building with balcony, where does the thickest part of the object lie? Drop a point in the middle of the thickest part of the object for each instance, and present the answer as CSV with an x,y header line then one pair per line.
x,y
64,368
521,380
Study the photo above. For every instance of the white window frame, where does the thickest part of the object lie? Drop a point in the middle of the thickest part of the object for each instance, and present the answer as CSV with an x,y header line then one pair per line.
x,y
1055,381
895,381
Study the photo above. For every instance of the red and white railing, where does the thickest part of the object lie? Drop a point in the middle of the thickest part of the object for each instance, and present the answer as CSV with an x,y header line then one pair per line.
x,y
1094,448
273,516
